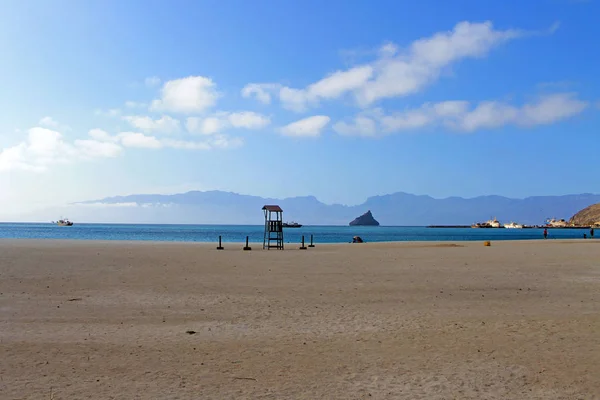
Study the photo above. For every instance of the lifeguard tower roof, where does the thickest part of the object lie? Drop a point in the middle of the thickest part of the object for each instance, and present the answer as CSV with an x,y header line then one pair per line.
x,y
272,208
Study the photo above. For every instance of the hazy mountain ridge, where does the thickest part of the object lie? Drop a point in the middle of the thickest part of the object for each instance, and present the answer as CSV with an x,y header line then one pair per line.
x,y
217,207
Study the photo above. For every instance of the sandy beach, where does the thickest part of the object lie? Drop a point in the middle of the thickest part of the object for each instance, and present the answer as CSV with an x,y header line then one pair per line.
x,y
125,320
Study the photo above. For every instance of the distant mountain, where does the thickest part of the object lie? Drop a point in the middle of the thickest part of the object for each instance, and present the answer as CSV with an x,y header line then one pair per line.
x,y
216,207
589,216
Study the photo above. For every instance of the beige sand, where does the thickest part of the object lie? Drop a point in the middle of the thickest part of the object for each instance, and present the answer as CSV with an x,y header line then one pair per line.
x,y
97,320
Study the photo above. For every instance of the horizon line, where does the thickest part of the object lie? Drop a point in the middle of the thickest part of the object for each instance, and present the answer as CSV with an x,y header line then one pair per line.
x,y
329,204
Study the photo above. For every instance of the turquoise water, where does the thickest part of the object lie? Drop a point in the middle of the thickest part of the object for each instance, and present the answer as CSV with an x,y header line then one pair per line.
x,y
238,233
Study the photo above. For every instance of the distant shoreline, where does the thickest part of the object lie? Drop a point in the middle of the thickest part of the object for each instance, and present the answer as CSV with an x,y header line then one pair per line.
x,y
525,227
255,233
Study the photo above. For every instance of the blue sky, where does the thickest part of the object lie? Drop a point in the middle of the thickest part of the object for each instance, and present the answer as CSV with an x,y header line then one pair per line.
x,y
341,100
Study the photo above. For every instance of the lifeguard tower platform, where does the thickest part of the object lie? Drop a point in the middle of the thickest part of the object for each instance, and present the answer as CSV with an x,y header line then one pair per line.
x,y
273,227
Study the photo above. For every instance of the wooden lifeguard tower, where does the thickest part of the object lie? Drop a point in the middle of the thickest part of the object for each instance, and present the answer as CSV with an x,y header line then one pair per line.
x,y
273,227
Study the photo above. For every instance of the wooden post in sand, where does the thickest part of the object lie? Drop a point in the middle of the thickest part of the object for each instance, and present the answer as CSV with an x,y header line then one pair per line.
x,y
311,241
302,247
247,247
219,247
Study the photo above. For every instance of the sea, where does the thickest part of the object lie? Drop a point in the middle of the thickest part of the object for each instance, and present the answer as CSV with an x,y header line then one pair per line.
x,y
238,233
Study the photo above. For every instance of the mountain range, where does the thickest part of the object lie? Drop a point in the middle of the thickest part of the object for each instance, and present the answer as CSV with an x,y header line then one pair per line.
x,y
218,207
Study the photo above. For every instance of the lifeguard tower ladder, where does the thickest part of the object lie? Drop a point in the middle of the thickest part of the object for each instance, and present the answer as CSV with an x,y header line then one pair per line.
x,y
273,227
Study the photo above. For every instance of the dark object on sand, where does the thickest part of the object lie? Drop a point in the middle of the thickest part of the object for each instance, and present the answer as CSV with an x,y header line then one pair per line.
x,y
302,247
357,239
190,332
247,247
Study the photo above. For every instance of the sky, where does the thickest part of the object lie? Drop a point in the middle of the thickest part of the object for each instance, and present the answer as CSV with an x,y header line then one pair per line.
x,y
340,100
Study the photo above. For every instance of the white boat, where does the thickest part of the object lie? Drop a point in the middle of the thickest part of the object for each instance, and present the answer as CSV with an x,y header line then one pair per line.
x,y
513,225
556,223
64,222
492,223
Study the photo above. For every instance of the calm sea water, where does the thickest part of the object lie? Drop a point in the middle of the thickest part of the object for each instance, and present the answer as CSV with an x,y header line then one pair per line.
x,y
238,233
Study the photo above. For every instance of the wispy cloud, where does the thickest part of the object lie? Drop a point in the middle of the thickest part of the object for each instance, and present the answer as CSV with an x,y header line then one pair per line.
x,y
395,72
225,120
307,127
164,124
145,141
465,117
260,91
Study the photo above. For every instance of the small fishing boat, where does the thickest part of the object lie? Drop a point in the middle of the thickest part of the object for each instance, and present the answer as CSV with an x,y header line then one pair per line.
x,y
64,222
292,224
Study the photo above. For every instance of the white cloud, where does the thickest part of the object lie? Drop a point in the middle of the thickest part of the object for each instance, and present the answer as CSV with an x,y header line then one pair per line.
x,y
410,71
152,81
394,72
139,140
360,126
224,120
93,148
165,124
113,112
261,91
226,142
205,126
307,127
45,147
462,116
331,87
294,99
412,119
546,110
339,82
487,114
187,95
248,120
48,122
143,141
186,145
552,108
100,135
